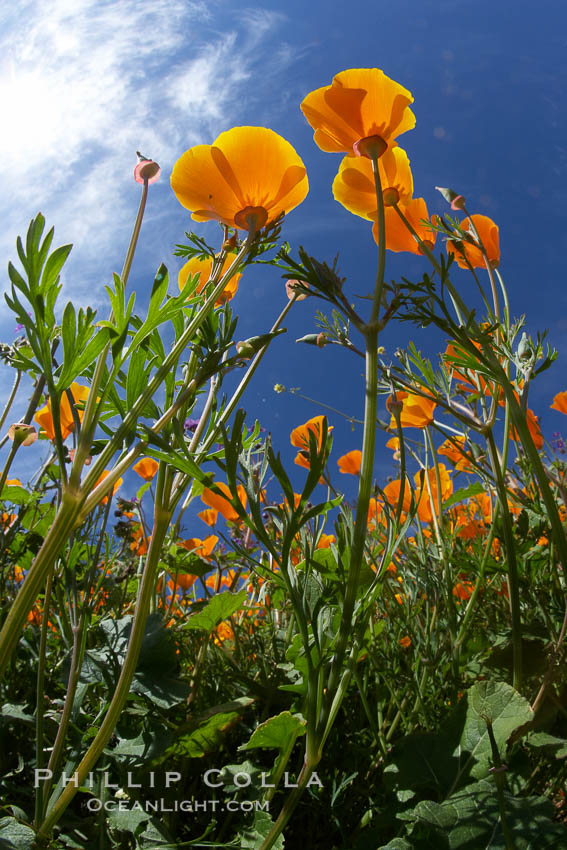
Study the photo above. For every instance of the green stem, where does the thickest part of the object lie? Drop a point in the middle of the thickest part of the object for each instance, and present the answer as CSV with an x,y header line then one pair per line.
x,y
290,803
11,398
57,536
40,707
162,518
513,580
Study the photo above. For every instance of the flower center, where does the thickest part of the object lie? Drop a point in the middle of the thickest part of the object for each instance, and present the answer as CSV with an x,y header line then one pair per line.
x,y
371,147
251,218
391,196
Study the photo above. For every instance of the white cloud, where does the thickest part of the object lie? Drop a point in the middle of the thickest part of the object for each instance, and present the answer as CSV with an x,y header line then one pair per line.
x,y
86,83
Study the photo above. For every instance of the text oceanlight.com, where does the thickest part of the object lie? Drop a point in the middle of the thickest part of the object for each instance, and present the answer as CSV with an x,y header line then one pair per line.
x,y
160,806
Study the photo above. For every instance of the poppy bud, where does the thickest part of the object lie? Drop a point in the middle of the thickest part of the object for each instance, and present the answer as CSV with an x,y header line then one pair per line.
x,y
310,339
456,201
525,350
395,406
22,434
230,243
293,291
146,170
248,347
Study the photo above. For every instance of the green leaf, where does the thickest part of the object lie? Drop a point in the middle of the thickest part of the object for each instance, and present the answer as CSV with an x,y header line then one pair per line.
x,y
253,837
218,609
505,708
471,819
464,493
53,266
15,835
208,737
275,733
128,819
15,495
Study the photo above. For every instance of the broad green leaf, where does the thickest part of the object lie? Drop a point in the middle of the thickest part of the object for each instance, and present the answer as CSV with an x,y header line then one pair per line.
x,y
471,819
504,707
276,732
254,836
218,609
464,493
208,738
128,819
15,495
15,835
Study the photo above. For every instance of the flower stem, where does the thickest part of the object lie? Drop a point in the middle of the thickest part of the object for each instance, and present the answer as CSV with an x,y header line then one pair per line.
x,y
162,518
65,521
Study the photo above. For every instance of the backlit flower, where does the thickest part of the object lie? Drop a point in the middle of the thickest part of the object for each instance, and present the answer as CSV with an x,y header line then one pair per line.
x,y
560,402
417,411
427,494
488,233
360,103
146,468
299,438
209,516
115,487
398,237
354,186
203,268
534,429
44,417
222,504
453,449
203,548
392,493
245,179
350,463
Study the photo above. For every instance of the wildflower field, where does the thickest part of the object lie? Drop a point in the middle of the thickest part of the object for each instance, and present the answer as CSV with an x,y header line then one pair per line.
x,y
215,656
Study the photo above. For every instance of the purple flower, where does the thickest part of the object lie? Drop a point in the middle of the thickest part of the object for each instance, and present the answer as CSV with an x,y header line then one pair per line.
x,y
557,442
191,424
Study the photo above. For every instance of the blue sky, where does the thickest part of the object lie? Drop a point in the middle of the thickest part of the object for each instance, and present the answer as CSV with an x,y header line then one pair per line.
x,y
84,84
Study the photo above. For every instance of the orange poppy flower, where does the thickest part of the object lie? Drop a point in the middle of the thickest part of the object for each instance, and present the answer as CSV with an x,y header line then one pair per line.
x,y
560,402
428,504
44,417
354,186
139,544
245,179
405,642
417,411
392,492
463,251
146,468
375,510
203,268
118,484
534,429
325,541
222,504
299,438
209,516
398,237
360,103
463,590
202,547
455,452
185,580
349,464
